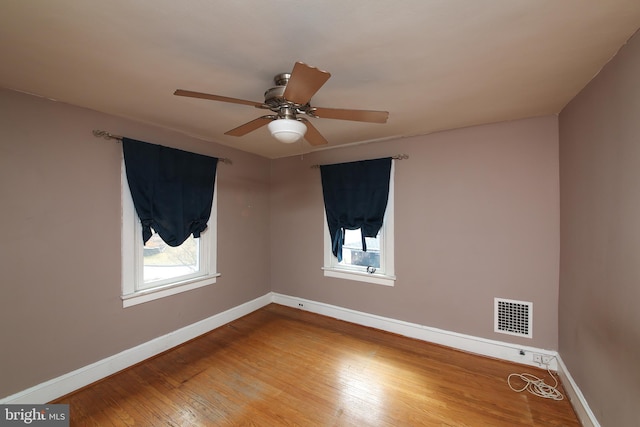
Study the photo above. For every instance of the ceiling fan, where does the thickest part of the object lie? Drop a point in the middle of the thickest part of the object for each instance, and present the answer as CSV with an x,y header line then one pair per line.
x,y
291,96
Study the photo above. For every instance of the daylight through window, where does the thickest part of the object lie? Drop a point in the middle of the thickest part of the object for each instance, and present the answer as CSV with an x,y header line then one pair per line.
x,y
376,264
157,270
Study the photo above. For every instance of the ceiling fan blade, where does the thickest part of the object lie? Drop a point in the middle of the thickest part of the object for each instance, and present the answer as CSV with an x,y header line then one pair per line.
x,y
192,94
354,115
250,126
304,83
312,135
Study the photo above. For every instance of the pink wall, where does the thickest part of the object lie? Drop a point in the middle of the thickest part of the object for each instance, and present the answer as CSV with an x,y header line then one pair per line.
x,y
600,224
60,307
477,217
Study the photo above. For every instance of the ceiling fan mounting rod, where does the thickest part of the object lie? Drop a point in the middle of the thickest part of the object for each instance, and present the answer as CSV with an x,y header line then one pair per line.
x,y
281,79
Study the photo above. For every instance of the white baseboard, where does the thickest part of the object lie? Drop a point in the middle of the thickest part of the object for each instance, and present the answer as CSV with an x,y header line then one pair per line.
x,y
65,384
482,346
579,403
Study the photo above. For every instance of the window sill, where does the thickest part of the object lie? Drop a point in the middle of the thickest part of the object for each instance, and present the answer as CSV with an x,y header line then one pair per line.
x,y
378,279
147,295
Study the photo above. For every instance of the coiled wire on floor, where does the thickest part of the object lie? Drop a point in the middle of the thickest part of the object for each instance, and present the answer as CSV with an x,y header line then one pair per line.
x,y
537,386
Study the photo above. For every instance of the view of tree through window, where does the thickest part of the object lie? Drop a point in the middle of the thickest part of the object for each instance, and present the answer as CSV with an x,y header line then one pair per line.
x,y
162,261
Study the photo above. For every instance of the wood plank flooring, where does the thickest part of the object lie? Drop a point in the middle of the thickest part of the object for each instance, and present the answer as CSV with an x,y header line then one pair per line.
x,y
281,366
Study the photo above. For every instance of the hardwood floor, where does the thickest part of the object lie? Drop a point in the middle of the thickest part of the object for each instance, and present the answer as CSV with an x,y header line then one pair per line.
x,y
283,366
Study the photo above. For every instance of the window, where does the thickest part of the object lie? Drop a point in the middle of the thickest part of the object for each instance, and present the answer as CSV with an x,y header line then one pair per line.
x,y
164,264
157,270
376,265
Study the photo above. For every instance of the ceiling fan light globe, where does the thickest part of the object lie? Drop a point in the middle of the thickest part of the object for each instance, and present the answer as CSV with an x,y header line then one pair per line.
x,y
287,130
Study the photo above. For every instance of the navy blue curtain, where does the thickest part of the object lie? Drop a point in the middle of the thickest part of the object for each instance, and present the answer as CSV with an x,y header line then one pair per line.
x,y
355,196
172,190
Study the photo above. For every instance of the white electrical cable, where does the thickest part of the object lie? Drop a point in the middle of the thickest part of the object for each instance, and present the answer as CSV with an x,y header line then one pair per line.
x,y
537,386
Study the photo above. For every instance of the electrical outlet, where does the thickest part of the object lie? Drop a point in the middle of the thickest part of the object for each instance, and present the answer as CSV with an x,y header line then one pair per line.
x,y
546,360
537,358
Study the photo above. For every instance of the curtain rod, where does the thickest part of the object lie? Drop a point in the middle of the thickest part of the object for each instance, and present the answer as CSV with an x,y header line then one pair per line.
x,y
396,157
106,135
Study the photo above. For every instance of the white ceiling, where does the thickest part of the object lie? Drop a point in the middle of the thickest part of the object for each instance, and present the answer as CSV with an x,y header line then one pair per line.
x,y
433,64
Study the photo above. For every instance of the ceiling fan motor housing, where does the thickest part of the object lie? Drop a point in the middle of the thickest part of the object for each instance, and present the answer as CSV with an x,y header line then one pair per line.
x,y
275,100
274,97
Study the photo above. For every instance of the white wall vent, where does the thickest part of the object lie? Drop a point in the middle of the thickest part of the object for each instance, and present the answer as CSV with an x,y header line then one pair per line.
x,y
513,317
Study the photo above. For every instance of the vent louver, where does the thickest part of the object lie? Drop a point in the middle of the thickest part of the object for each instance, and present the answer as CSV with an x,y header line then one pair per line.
x,y
513,317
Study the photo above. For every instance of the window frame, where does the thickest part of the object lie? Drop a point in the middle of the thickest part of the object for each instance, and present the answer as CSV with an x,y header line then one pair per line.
x,y
385,275
134,291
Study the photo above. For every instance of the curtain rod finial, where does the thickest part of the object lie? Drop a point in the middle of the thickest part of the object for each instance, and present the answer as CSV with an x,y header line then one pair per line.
x,y
106,135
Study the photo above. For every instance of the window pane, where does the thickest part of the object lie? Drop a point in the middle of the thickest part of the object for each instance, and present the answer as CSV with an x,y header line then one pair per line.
x,y
352,253
162,262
